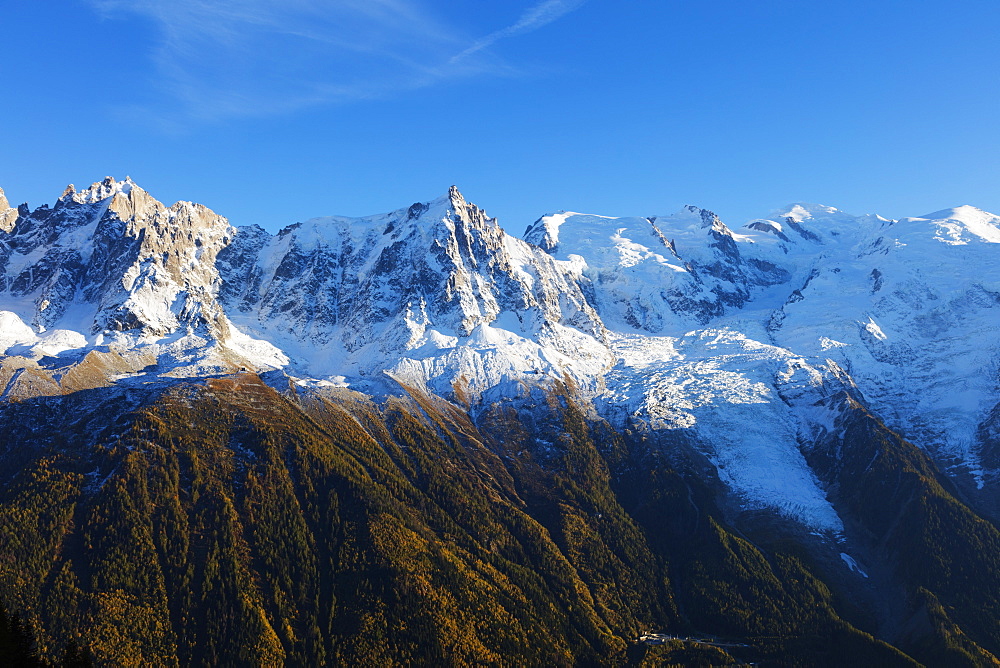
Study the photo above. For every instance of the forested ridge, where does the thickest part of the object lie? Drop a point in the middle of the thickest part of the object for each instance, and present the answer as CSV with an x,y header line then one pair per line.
x,y
223,522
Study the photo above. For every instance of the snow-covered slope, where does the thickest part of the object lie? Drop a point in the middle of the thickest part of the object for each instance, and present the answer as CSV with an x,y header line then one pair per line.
x,y
668,324
436,293
656,274
912,310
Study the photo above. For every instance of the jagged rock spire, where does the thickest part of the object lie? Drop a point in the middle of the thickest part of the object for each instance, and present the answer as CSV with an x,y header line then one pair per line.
x,y
8,215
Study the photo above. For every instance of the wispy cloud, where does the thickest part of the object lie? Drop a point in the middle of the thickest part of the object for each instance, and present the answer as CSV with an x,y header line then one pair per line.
x,y
532,19
218,59
223,58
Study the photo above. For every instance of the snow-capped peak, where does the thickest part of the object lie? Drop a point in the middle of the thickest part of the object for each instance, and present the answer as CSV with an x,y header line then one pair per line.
x,y
964,213
708,218
963,225
98,191
804,228
801,211
544,232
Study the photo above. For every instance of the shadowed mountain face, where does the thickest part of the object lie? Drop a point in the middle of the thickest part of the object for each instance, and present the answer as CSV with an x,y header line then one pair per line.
x,y
414,437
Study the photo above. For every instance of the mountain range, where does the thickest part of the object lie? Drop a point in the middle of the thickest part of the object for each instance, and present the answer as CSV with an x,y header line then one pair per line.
x,y
415,437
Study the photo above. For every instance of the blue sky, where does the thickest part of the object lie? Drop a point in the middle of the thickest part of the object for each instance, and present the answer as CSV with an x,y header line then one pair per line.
x,y
272,111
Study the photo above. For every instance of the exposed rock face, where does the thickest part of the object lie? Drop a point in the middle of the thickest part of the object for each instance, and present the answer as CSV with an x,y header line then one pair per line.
x,y
111,266
8,215
122,260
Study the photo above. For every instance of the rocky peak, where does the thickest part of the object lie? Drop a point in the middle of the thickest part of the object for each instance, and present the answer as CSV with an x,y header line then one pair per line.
x,y
708,218
8,215
377,287
124,198
543,233
171,255
143,268
463,273
98,191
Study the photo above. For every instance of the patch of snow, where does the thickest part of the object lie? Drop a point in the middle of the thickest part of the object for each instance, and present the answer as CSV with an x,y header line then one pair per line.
x,y
258,352
57,341
826,343
852,564
13,331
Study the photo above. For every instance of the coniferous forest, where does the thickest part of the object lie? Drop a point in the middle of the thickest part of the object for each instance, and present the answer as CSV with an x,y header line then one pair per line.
x,y
225,522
